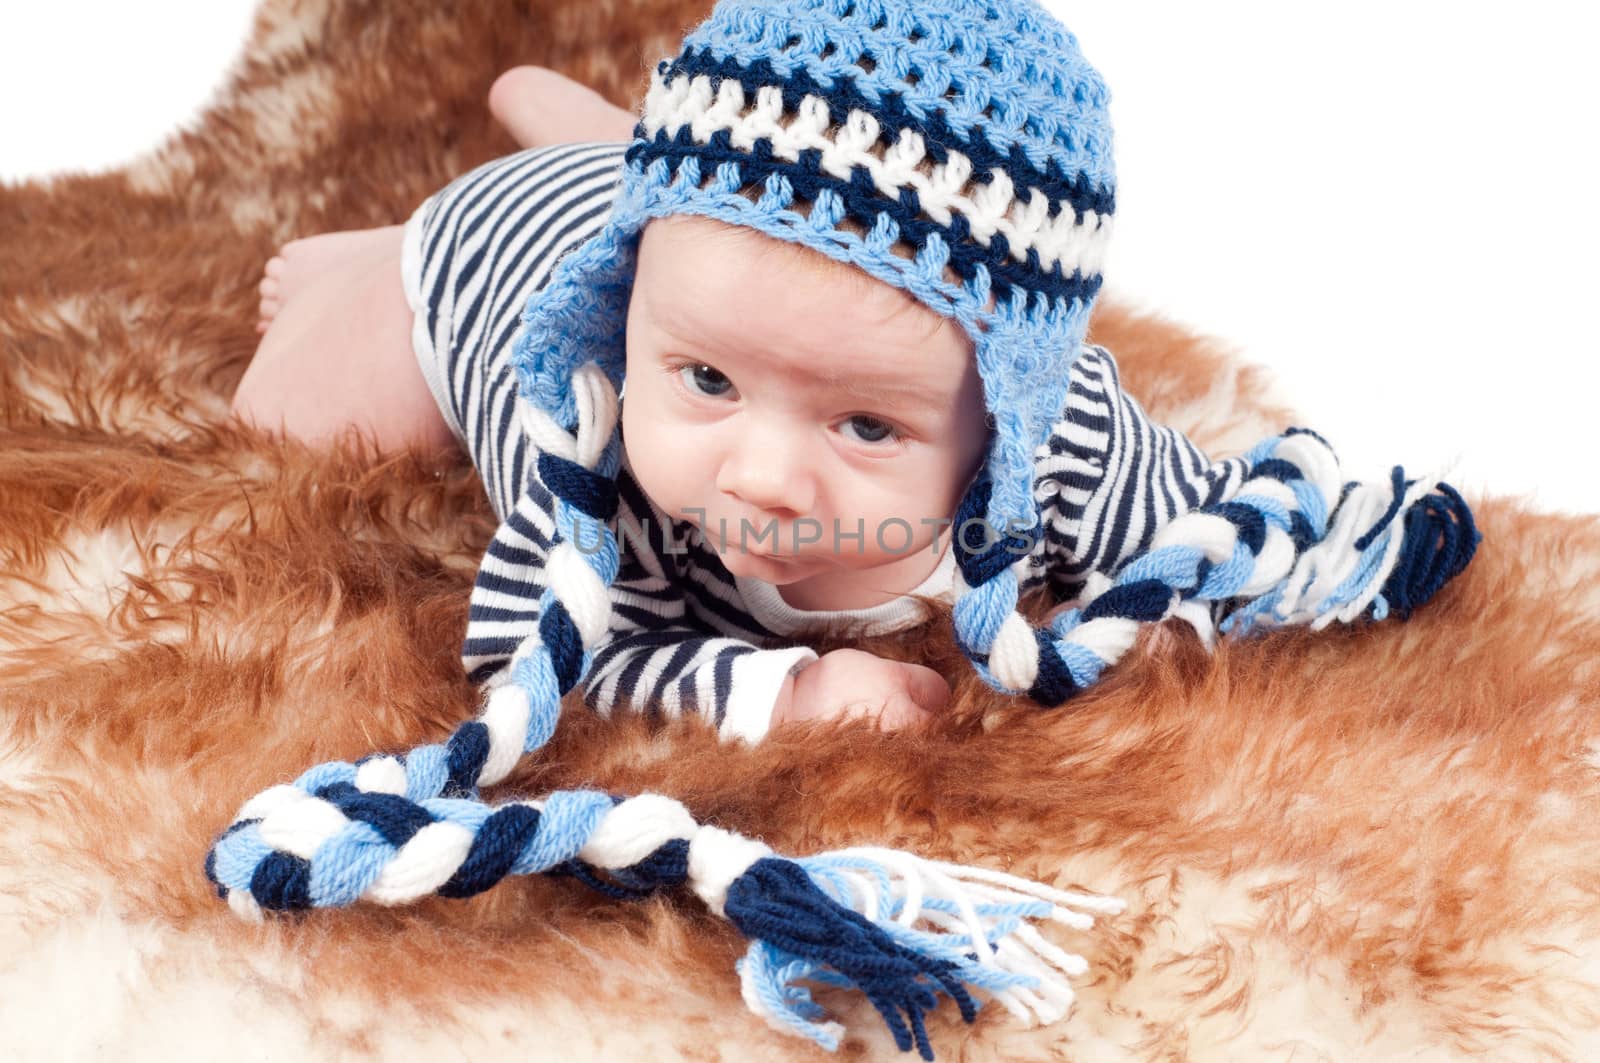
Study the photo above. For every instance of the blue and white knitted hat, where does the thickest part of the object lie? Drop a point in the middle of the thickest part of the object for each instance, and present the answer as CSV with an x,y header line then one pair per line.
x,y
971,133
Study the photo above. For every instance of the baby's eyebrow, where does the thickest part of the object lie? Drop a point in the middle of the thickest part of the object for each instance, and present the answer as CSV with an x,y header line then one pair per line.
x,y
896,393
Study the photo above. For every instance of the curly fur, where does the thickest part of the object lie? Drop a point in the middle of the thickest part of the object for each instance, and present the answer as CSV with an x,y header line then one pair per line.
x,y
1373,842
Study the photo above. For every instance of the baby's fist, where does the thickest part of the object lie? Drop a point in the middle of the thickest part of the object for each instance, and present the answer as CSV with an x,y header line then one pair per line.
x,y
852,683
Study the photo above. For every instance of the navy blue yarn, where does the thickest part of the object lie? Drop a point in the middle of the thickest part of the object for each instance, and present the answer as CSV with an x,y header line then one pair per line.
x,y
1252,526
1308,432
468,749
583,489
776,901
1054,683
978,568
1397,490
1277,468
864,202
1142,600
501,839
1201,572
1440,539
1301,533
211,855
844,95
561,638
391,815
282,882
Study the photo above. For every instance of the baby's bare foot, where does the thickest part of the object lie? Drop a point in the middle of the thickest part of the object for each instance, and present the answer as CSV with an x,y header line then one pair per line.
x,y
540,107
336,349
306,262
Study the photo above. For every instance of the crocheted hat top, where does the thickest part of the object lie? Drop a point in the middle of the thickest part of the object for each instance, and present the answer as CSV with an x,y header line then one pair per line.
x,y
918,142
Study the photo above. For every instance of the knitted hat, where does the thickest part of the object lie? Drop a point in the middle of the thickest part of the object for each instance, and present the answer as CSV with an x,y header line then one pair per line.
x,y
971,134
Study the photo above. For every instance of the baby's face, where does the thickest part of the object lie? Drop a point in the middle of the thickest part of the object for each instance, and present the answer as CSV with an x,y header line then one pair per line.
x,y
764,389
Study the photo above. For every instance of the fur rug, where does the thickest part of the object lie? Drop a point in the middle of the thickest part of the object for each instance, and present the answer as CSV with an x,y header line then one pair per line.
x,y
1368,843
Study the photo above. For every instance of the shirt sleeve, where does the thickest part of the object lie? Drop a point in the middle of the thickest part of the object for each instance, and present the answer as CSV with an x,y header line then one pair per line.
x,y
656,658
1109,478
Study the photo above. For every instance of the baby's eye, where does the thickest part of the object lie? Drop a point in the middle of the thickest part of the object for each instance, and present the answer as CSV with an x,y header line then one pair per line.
x,y
704,380
870,429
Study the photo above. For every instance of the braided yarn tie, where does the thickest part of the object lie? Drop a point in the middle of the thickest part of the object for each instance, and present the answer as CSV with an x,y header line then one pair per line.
x,y
1291,546
391,829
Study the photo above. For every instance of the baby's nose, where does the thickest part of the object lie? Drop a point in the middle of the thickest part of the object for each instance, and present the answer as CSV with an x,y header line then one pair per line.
x,y
770,473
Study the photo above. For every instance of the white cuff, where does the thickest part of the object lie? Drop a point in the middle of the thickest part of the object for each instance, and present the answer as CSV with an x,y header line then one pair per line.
x,y
757,679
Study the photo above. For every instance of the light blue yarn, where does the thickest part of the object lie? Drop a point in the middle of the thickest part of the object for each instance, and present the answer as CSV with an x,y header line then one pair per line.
x,y
536,676
335,771
1173,565
791,1005
1228,577
238,855
427,771
345,865
566,823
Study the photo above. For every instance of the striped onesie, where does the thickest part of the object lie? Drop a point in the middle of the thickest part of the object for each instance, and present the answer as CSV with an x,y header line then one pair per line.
x,y
686,635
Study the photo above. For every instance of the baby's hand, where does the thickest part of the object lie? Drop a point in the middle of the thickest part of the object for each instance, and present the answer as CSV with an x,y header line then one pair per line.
x,y
852,683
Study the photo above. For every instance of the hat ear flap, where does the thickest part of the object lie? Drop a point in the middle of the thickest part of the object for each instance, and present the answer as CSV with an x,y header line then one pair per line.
x,y
581,313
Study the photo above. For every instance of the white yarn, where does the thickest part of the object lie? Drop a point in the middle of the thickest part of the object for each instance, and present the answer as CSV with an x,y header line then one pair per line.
x,y
716,858
1014,657
270,800
913,881
506,718
1215,536
382,775
244,906
597,406
1108,637
1317,464
993,208
636,828
300,828
582,590
1273,562
1197,614
424,863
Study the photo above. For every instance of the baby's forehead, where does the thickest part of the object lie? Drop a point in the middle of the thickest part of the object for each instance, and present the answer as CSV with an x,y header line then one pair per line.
x,y
743,299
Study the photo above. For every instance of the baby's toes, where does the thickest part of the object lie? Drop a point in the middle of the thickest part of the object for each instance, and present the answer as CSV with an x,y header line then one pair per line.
x,y
271,291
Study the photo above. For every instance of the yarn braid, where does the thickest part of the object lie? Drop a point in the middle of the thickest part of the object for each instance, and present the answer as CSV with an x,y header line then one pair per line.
x,y
1270,550
394,828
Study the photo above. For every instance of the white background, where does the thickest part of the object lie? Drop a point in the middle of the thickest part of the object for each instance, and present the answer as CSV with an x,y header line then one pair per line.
x,y
1392,204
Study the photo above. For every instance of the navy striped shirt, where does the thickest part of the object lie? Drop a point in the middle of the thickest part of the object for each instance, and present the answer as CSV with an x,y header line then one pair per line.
x,y
688,637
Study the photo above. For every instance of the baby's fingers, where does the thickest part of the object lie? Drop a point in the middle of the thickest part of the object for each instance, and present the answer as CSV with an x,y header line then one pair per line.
x,y
927,688
899,711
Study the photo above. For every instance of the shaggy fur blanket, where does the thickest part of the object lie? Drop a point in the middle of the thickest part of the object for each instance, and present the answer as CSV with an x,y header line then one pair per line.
x,y
1374,842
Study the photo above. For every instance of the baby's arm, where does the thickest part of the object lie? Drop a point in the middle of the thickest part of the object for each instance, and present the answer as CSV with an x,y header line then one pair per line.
x,y
654,657
1112,480
1114,477
657,658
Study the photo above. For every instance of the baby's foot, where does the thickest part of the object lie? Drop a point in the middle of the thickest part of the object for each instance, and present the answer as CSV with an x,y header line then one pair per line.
x,y
540,107
304,263
336,347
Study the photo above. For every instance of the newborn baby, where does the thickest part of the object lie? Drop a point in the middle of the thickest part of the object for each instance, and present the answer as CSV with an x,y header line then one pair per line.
x,y
841,344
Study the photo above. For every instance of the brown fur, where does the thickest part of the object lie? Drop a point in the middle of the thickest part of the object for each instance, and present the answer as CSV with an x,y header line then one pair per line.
x,y
1370,842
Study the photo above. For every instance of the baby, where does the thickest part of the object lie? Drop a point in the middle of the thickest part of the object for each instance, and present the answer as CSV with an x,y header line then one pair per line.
x,y
841,268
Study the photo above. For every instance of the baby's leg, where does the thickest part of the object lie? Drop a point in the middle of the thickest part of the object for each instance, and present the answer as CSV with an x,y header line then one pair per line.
x,y
540,107
336,346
